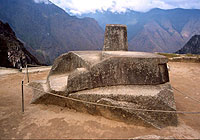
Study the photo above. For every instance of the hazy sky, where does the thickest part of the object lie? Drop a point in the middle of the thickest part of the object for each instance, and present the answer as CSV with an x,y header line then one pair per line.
x,y
86,6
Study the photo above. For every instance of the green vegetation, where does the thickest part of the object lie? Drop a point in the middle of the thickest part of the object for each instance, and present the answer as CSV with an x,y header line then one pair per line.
x,y
169,55
192,55
191,58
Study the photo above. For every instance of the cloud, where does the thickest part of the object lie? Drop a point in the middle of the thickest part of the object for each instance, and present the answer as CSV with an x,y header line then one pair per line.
x,y
42,1
86,6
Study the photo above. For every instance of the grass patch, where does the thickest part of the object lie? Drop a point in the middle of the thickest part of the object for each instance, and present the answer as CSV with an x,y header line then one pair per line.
x,y
169,55
192,55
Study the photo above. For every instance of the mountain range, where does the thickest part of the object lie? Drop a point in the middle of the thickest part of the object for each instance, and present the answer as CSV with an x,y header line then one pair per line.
x,y
48,31
156,30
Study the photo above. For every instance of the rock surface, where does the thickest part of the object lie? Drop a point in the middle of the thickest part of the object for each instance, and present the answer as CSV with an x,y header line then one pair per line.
x,y
12,52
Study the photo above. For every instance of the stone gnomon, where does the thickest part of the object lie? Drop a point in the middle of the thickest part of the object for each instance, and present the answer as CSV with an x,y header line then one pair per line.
x,y
115,77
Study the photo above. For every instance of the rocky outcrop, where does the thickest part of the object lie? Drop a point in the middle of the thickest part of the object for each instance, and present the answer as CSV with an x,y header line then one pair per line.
x,y
192,46
12,52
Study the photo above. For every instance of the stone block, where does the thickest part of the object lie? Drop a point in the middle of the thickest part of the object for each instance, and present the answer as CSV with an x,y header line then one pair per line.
x,y
121,70
115,38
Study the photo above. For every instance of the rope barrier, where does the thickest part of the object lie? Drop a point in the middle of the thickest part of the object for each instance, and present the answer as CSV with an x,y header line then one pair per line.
x,y
98,104
186,95
111,106
26,74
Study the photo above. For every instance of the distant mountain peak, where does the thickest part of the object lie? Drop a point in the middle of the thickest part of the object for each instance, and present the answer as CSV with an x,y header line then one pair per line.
x,y
192,46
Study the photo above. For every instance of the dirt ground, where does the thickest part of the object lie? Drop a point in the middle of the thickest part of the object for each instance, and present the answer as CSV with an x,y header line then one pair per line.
x,y
48,121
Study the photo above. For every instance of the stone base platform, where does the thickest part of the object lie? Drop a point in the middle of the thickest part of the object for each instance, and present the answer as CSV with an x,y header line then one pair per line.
x,y
125,97
115,83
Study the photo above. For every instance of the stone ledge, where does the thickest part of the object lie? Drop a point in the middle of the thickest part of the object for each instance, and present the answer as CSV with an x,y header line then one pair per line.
x,y
158,97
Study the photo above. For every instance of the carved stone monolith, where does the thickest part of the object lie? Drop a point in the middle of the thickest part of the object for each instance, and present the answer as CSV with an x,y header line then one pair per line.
x,y
115,38
132,82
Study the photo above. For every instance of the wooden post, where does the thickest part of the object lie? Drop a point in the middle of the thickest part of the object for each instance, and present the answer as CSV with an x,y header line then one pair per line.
x,y
27,73
22,96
